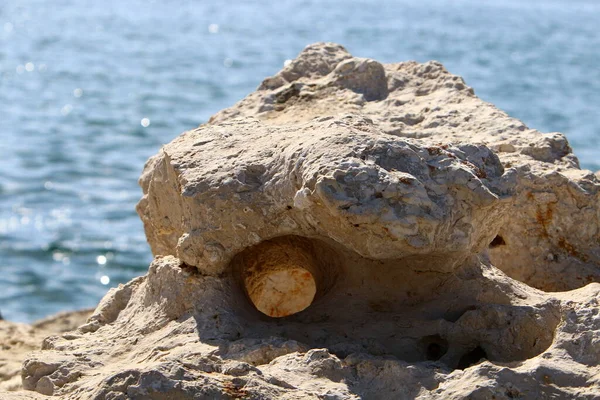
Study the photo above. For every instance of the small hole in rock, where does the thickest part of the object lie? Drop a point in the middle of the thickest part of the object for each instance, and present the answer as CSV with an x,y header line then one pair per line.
x,y
435,347
498,241
471,358
434,352
190,269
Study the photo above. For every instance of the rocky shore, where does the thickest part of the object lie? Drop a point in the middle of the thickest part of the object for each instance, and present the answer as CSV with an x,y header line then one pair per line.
x,y
349,230
17,340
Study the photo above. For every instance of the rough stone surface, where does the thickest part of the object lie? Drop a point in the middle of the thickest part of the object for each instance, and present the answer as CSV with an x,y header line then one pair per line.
x,y
474,332
550,238
454,252
16,340
219,189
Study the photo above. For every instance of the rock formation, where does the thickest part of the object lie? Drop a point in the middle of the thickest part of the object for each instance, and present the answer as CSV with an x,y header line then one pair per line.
x,y
351,230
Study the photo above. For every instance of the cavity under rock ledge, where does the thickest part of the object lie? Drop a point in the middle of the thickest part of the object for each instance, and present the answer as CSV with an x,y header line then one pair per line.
x,y
348,231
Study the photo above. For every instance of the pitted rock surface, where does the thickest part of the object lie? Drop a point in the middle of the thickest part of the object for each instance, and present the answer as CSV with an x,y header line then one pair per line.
x,y
218,189
549,238
454,250
475,332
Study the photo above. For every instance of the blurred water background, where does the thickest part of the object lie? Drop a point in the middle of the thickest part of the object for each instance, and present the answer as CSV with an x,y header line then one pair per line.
x,y
89,90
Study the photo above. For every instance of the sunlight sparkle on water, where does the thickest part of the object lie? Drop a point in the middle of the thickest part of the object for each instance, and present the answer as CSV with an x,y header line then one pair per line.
x,y
145,122
66,110
101,260
29,67
61,257
213,28
105,280
78,92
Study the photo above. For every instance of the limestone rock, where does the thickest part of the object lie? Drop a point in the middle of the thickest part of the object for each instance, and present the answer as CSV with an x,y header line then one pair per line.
x,y
16,340
217,190
475,332
550,237
351,230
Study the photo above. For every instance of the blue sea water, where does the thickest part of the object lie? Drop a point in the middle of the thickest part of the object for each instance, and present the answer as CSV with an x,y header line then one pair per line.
x,y
89,90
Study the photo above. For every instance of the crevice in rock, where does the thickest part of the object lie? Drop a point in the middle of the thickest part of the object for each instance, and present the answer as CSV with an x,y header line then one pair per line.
x,y
434,347
453,316
471,358
498,241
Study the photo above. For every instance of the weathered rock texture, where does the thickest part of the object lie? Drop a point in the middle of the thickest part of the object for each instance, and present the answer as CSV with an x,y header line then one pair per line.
x,y
17,340
430,233
549,239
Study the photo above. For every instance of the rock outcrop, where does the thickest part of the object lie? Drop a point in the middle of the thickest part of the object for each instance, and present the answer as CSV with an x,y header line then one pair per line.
x,y
351,230
550,238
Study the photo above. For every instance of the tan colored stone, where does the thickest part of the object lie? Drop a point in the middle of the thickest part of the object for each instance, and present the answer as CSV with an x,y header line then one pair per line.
x,y
338,178
400,193
17,340
550,237
380,331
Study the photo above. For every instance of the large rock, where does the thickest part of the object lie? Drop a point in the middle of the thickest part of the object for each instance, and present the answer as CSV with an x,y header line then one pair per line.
x,y
219,189
550,238
342,233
